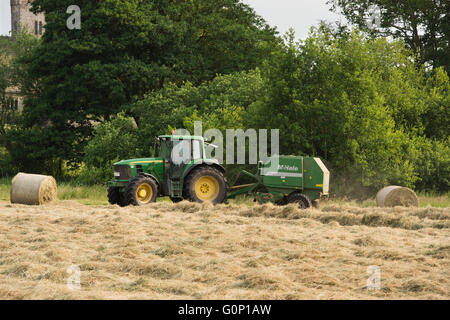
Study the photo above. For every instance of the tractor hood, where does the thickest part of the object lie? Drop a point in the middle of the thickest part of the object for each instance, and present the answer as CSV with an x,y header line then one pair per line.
x,y
141,161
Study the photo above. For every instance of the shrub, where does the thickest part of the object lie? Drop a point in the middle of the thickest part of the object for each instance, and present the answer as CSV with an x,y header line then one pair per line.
x,y
112,141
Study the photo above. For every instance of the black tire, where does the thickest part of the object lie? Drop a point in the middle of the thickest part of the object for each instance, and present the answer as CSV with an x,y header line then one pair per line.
x,y
175,200
133,194
302,200
220,187
115,196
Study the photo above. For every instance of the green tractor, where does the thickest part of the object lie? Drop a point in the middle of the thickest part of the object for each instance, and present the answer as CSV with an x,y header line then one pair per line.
x,y
182,172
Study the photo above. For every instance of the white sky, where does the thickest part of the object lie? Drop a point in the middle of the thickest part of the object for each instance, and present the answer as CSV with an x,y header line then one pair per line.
x,y
298,14
301,15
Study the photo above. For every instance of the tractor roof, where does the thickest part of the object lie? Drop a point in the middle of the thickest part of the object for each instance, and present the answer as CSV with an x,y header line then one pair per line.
x,y
182,137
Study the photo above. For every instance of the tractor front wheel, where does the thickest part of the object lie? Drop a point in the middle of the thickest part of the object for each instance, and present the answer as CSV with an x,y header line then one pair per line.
x,y
205,184
115,196
302,200
141,191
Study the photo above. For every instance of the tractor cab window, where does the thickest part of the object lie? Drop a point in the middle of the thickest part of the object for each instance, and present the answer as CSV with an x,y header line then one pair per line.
x,y
164,149
196,150
181,151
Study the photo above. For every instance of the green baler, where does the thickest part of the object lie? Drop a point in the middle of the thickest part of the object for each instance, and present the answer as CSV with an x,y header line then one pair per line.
x,y
287,179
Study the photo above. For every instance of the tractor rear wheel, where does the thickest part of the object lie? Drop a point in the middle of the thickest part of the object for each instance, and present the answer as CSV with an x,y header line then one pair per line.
x,y
141,191
115,196
205,184
302,200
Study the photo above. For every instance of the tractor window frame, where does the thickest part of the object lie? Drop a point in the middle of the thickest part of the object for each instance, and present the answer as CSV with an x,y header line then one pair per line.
x,y
197,148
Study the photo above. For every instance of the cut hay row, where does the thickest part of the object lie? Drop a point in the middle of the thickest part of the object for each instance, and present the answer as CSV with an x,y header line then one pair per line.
x,y
397,217
192,251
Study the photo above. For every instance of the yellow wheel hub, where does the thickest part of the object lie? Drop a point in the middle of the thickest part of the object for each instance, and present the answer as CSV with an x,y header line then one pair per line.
x,y
144,193
207,188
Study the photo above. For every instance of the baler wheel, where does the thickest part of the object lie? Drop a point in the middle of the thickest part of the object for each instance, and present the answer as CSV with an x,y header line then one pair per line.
x,y
302,200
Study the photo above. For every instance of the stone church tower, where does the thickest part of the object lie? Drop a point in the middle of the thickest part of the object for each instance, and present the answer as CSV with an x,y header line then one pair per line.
x,y
21,17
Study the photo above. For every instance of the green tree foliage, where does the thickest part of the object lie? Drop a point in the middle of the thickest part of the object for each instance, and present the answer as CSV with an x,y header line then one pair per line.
x,y
424,25
210,102
5,109
223,36
437,101
431,159
5,82
13,78
13,75
112,141
123,50
353,101
361,104
364,104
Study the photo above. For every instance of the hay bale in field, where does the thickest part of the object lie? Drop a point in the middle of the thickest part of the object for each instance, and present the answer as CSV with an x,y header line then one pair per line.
x,y
33,189
397,196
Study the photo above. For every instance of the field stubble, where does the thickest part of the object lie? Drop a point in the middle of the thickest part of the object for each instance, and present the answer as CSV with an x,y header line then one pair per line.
x,y
193,251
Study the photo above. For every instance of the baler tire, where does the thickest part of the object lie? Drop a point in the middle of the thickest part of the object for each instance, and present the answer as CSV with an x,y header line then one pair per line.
x,y
132,189
302,200
115,197
190,184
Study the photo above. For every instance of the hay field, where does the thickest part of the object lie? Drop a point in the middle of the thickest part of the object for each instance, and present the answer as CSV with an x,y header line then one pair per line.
x,y
192,251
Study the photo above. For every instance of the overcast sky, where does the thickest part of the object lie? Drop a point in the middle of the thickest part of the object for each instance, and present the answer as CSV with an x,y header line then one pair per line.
x,y
299,14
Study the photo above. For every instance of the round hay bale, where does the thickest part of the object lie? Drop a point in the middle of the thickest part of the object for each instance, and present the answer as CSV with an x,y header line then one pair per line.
x,y
397,196
33,189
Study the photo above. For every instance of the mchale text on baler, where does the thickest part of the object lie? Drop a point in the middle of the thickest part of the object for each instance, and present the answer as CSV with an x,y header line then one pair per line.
x,y
280,180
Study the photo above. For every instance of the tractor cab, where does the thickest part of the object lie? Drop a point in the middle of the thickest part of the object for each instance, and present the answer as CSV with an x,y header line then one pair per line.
x,y
180,150
179,153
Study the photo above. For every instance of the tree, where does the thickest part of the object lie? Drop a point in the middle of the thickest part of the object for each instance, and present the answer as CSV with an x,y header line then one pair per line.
x,y
5,82
112,140
350,100
424,25
431,159
13,78
172,105
226,36
437,100
123,50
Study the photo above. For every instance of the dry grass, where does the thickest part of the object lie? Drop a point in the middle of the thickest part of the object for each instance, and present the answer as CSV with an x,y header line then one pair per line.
x,y
192,251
